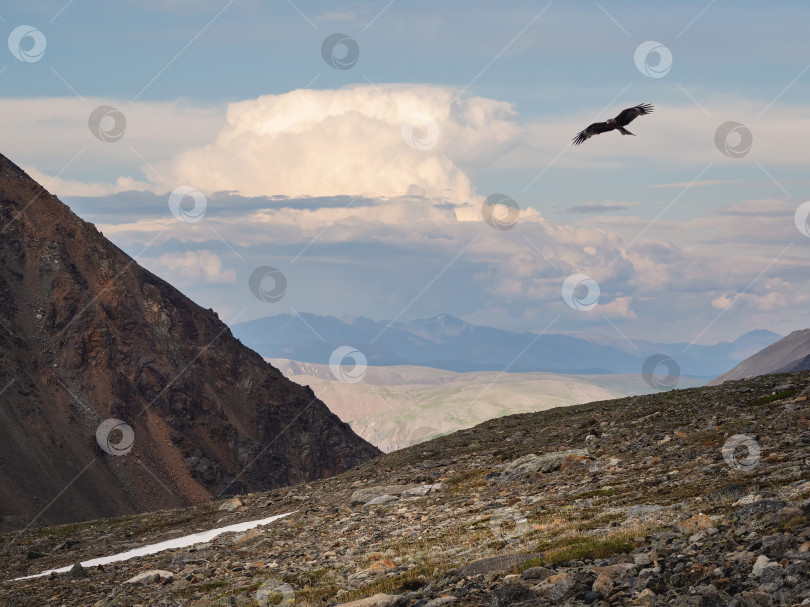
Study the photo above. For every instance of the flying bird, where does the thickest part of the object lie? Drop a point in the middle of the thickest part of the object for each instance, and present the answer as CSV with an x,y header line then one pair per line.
x,y
624,118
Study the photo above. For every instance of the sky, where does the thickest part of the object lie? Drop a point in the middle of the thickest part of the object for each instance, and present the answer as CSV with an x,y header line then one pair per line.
x,y
400,160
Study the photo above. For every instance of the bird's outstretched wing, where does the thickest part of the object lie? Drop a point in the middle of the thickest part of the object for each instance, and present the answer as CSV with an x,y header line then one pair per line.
x,y
594,129
627,116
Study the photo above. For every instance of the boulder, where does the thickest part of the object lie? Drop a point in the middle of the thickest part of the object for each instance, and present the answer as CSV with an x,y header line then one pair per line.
x,y
379,600
762,563
531,463
366,494
514,592
537,573
150,576
231,505
494,564
77,572
381,499
422,490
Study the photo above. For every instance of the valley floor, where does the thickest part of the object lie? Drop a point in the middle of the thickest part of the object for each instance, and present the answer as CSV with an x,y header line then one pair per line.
x,y
399,406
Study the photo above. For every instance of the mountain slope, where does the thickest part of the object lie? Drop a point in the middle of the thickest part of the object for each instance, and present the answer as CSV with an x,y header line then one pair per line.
x,y
87,335
803,364
784,355
687,497
446,342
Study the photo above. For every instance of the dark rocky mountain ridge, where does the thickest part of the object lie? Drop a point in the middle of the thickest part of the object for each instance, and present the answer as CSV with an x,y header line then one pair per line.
x,y
86,335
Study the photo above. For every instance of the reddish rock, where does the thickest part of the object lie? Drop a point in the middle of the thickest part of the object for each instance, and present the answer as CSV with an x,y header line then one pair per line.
x,y
89,335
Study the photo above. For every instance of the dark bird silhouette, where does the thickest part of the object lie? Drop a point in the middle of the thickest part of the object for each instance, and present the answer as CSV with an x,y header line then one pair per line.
x,y
624,118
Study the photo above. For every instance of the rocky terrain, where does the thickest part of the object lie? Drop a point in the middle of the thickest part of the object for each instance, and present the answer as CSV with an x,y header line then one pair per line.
x,y
688,497
120,395
791,353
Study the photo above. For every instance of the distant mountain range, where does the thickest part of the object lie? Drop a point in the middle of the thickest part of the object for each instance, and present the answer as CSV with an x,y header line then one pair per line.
x,y
791,353
447,342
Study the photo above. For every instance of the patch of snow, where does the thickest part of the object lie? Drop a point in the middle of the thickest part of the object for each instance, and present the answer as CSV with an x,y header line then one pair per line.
x,y
178,542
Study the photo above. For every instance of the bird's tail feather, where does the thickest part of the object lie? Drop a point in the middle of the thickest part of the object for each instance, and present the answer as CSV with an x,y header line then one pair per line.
x,y
624,131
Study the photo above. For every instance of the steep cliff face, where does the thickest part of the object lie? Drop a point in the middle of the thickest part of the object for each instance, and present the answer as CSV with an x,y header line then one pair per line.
x,y
87,335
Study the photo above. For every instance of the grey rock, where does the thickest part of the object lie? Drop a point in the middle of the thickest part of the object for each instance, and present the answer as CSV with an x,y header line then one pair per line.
x,y
537,573
775,546
231,505
422,490
514,592
494,564
530,464
762,563
366,494
442,600
643,509
562,588
380,600
729,492
758,507
381,499
150,576
77,572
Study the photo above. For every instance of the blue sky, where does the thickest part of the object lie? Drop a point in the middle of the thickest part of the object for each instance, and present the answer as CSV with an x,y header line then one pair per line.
x,y
685,242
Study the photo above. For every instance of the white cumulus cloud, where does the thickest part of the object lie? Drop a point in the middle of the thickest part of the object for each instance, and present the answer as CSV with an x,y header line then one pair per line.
x,y
190,266
378,141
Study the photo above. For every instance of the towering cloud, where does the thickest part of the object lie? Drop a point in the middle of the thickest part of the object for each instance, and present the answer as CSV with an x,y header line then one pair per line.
x,y
377,141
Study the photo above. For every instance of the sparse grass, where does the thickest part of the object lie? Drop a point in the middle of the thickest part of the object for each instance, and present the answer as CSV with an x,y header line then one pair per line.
x,y
467,480
212,585
73,528
668,494
797,522
599,492
584,547
590,548
393,584
153,525
208,587
764,400
316,585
